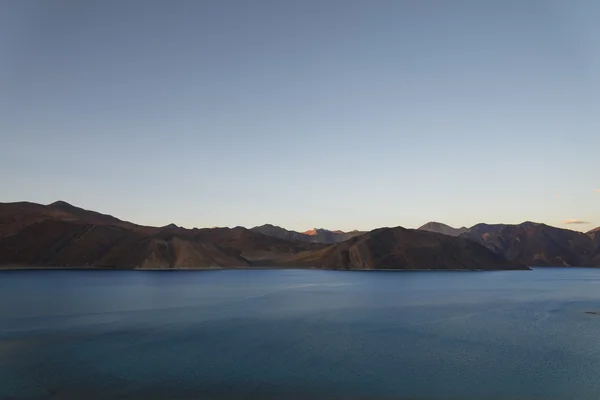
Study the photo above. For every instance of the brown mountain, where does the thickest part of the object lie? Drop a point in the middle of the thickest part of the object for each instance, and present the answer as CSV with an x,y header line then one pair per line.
x,y
399,248
15,216
72,244
36,235
444,229
597,230
536,244
62,235
313,235
594,260
255,247
281,233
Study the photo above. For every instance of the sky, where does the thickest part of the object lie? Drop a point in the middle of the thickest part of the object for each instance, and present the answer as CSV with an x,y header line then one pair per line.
x,y
338,114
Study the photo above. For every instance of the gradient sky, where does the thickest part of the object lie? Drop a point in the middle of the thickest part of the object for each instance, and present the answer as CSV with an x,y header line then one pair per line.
x,y
339,114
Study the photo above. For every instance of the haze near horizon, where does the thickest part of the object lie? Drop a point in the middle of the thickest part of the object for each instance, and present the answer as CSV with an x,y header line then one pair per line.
x,y
335,114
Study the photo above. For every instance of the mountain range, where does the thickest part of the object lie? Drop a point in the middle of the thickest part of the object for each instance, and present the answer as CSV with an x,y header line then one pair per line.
x,y
531,243
62,235
314,235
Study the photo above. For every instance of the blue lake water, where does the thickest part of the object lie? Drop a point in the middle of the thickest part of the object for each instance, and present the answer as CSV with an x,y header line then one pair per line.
x,y
300,334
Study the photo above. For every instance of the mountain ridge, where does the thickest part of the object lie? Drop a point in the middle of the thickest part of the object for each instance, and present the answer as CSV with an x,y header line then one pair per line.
x,y
407,248
439,227
536,244
318,235
62,235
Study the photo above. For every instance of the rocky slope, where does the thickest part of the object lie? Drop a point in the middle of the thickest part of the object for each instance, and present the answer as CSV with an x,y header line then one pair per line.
x,y
16,216
444,229
61,235
69,244
536,244
399,248
67,236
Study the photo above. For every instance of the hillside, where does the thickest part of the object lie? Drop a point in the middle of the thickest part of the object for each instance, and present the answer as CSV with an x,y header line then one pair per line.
x,y
399,248
16,216
69,244
536,244
61,235
444,229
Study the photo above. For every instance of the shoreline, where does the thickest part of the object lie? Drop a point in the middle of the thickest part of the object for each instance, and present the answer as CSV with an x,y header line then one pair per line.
x,y
42,268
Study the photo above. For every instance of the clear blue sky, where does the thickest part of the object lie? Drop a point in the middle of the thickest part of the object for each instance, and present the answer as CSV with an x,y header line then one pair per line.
x,y
340,114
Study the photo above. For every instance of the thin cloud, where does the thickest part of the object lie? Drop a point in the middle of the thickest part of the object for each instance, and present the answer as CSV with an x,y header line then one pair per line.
x,y
597,190
575,222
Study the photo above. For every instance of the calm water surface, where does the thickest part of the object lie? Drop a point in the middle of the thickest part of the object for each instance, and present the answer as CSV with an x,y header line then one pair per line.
x,y
300,335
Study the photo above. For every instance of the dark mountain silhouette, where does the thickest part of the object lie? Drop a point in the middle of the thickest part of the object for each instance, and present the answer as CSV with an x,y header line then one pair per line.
x,y
77,214
69,244
255,247
314,235
536,244
594,260
16,216
399,248
438,227
62,235
36,235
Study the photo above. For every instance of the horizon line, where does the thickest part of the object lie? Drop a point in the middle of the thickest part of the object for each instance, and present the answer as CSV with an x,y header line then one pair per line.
x,y
566,222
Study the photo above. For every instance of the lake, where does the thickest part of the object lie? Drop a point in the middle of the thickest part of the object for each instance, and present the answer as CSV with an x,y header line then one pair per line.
x,y
300,334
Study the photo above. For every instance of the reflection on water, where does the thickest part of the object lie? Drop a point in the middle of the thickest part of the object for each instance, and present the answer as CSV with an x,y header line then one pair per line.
x,y
300,334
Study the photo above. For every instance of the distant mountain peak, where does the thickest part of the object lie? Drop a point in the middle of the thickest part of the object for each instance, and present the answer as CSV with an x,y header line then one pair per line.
x,y
67,207
431,224
444,229
317,235
435,223
530,223
171,225
267,226
61,204
316,231
312,232
71,212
